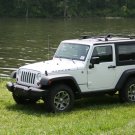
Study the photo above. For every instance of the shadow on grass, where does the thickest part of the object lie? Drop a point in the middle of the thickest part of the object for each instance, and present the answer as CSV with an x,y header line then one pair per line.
x,y
31,109
98,102
93,103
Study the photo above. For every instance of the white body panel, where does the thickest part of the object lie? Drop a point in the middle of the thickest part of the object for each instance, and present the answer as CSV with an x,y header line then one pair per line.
x,y
60,66
101,77
89,79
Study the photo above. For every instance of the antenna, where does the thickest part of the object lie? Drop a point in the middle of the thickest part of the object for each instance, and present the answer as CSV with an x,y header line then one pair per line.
x,y
48,46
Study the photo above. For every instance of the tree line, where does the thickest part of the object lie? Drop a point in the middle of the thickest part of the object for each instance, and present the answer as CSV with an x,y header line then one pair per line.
x,y
67,8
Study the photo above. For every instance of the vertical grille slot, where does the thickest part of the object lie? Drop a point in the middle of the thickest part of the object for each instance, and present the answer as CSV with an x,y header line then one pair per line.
x,y
34,78
28,77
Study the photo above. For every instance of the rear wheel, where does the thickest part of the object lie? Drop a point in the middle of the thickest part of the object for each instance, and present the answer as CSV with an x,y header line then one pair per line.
x,y
127,94
60,98
23,100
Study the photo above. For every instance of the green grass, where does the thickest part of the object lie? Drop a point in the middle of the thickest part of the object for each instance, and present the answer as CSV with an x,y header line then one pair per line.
x,y
93,116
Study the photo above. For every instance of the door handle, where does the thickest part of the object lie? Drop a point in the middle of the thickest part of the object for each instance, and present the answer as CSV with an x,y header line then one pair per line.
x,y
111,66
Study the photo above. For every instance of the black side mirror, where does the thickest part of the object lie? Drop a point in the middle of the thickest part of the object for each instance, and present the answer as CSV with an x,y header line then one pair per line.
x,y
94,60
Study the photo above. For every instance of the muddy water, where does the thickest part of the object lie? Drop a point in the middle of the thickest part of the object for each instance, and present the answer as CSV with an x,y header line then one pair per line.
x,y
25,41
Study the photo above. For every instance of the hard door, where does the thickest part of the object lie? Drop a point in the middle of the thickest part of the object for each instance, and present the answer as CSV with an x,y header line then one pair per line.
x,y
101,76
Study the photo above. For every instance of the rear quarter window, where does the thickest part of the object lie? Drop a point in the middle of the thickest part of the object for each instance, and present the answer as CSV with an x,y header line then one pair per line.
x,y
125,54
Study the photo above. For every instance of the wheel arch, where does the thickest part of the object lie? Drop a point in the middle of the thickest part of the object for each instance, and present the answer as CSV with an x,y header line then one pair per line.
x,y
67,80
124,78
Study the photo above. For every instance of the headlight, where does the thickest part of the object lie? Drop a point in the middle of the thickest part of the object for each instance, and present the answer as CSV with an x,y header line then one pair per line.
x,y
19,72
38,77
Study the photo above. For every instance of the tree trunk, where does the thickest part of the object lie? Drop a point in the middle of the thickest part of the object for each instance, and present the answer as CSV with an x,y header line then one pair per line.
x,y
65,8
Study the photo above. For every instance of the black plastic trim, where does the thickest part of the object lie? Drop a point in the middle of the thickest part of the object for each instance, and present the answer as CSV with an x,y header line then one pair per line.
x,y
13,74
45,81
126,74
95,93
25,91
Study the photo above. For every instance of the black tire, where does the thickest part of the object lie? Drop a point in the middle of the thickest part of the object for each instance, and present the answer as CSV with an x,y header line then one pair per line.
x,y
59,99
127,94
23,100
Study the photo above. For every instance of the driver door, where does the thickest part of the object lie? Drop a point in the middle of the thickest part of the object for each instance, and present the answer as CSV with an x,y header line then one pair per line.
x,y
101,76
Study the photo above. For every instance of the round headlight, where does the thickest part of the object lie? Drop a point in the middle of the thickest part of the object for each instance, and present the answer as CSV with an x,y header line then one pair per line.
x,y
38,76
19,72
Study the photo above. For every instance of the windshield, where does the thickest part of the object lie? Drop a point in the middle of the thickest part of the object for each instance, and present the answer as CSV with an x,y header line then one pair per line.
x,y
72,51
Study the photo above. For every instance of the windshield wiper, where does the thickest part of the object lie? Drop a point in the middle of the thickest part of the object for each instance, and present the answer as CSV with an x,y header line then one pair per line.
x,y
65,58
58,57
73,61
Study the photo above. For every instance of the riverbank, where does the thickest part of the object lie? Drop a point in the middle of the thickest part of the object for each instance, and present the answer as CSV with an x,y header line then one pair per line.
x,y
89,116
67,8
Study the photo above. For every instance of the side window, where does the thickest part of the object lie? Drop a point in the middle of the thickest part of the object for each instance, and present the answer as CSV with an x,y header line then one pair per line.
x,y
126,52
104,53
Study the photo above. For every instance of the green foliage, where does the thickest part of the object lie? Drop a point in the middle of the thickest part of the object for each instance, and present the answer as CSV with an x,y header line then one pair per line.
x,y
100,115
66,8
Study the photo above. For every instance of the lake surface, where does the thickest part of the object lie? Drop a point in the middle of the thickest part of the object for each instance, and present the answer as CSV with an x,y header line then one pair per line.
x,y
25,41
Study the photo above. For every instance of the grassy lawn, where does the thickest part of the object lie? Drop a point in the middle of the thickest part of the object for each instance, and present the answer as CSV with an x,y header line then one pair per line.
x,y
93,116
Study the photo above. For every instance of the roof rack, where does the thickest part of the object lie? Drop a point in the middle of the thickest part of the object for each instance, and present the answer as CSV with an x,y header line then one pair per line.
x,y
121,35
108,36
85,36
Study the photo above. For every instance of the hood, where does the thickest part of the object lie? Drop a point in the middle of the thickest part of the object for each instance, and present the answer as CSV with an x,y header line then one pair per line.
x,y
55,65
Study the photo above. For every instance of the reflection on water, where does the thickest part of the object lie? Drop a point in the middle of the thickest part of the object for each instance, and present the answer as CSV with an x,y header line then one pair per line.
x,y
5,72
26,41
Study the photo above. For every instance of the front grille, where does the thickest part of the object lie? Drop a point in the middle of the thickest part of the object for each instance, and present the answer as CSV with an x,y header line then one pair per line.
x,y
28,77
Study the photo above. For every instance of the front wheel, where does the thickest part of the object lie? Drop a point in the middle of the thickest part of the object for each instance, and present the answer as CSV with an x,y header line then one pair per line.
x,y
60,98
128,92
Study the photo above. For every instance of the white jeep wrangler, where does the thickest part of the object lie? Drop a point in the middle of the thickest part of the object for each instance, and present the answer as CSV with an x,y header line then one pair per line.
x,y
104,64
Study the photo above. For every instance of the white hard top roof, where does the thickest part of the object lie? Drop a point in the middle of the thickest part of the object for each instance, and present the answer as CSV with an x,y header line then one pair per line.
x,y
99,40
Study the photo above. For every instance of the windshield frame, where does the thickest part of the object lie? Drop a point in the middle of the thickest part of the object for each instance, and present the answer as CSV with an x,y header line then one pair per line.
x,y
81,58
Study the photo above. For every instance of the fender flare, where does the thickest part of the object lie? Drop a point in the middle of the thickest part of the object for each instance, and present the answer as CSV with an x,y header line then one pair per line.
x,y
13,74
126,74
49,80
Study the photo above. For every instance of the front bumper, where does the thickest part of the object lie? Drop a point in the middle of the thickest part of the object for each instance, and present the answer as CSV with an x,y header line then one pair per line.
x,y
21,90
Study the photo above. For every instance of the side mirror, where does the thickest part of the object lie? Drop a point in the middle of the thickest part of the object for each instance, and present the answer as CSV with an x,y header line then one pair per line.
x,y
94,60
